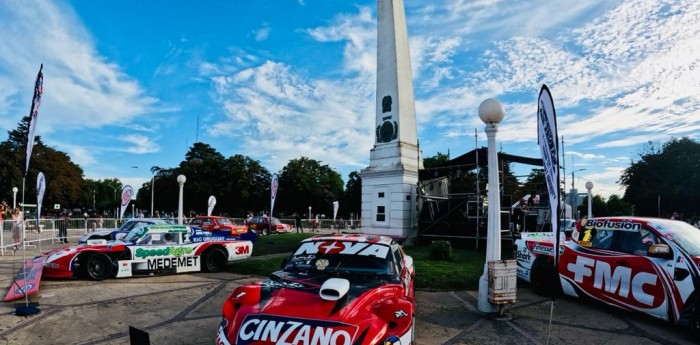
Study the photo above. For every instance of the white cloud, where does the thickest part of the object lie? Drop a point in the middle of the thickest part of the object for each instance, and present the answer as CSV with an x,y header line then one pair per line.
x,y
263,33
286,116
81,88
139,144
80,155
359,32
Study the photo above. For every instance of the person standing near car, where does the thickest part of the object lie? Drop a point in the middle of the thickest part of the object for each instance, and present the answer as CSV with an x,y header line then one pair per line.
x,y
61,224
17,227
297,220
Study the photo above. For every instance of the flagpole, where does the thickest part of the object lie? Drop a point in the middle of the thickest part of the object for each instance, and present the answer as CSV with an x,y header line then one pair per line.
x,y
24,242
33,113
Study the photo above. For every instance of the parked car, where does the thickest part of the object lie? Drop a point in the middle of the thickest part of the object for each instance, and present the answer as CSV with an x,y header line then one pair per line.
x,y
223,226
117,234
346,289
146,250
643,265
214,223
265,226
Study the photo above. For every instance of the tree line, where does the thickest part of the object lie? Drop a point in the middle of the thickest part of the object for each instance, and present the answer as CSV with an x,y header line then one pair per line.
x,y
660,180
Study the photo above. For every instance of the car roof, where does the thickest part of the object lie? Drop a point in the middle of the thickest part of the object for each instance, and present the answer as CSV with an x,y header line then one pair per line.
x,y
154,220
359,237
166,228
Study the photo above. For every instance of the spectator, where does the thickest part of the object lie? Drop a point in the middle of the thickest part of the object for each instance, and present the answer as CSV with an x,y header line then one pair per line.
x,y
16,227
3,210
534,199
519,215
61,224
297,220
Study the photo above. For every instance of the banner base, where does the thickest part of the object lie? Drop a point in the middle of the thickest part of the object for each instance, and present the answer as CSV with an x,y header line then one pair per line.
x,y
27,309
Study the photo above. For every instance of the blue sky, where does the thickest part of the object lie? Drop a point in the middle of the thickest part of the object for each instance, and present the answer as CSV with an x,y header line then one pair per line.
x,y
135,83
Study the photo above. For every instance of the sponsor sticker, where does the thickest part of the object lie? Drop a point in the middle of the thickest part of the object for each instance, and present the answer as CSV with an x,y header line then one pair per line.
x,y
543,249
343,247
21,290
165,263
607,224
167,251
269,329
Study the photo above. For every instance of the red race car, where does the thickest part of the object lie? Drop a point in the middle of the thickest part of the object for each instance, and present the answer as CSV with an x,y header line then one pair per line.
x,y
334,290
265,226
216,224
644,265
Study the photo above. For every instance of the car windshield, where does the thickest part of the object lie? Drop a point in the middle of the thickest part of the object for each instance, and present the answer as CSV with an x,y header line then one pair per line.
x,y
135,234
682,233
134,223
225,221
368,259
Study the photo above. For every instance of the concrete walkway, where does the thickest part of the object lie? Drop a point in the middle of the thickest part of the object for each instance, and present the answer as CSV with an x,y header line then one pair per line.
x,y
184,309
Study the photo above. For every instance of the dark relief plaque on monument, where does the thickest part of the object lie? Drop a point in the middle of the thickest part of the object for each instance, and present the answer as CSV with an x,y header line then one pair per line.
x,y
386,104
387,132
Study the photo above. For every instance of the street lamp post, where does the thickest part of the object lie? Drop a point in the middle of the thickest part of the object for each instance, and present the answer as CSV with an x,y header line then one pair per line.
x,y
115,198
589,186
491,112
574,194
309,213
14,198
181,181
155,171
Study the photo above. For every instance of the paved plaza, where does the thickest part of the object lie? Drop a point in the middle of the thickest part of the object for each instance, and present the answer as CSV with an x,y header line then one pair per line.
x,y
184,309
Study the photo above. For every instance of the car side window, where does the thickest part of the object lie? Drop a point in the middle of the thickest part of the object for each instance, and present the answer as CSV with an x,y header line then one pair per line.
x,y
631,242
396,253
594,238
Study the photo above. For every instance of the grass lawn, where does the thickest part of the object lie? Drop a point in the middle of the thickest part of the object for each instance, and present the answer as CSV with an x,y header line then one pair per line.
x,y
460,273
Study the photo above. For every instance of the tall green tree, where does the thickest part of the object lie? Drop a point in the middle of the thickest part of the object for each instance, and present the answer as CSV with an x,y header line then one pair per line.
x,y
619,207
305,182
668,175
247,185
598,205
204,171
64,179
434,161
352,203
535,182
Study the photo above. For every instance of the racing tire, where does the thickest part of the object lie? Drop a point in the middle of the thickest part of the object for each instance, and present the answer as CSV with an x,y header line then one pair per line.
x,y
413,330
544,278
98,266
214,260
265,231
694,322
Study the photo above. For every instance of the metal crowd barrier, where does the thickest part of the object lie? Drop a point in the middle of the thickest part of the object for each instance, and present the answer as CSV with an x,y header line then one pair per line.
x,y
47,229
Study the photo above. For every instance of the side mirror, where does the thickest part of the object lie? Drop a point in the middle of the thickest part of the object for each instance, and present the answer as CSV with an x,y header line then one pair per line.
x,y
662,251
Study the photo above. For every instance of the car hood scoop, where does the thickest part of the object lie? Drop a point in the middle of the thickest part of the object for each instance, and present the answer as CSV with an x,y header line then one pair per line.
x,y
334,289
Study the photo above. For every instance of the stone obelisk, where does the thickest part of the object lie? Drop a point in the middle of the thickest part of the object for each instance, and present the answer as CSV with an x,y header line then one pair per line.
x,y
389,183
